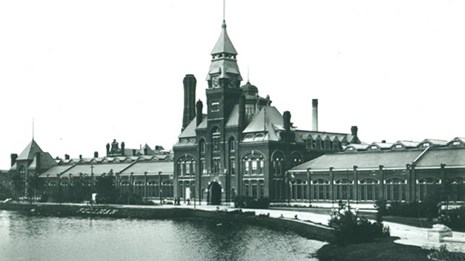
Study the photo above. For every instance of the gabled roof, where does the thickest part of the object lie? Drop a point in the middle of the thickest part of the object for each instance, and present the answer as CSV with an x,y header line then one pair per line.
x,y
266,120
434,142
363,160
457,139
437,156
224,44
406,143
31,149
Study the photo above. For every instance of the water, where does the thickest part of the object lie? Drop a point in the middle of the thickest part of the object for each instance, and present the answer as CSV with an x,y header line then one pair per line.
x,y
71,238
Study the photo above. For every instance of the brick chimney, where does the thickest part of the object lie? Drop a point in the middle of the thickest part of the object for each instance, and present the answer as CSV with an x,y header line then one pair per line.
x,y
189,99
198,112
13,158
315,115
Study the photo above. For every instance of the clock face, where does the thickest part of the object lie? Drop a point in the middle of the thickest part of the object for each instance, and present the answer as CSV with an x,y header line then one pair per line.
x,y
232,82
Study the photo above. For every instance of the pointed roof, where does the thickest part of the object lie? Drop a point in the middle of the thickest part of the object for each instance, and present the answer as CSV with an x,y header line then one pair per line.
x,y
267,119
31,149
224,44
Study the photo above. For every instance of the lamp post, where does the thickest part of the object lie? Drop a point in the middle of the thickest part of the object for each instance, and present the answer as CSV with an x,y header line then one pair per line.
x,y
160,188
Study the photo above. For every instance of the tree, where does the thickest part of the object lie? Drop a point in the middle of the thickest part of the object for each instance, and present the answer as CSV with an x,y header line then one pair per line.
x,y
106,191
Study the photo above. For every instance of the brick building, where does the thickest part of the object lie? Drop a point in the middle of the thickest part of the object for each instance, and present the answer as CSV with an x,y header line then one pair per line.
x,y
242,145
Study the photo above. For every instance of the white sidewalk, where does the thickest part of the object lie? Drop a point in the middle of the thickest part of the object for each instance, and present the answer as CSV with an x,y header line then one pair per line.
x,y
408,235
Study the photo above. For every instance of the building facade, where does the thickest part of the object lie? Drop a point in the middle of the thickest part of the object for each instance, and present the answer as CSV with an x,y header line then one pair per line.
x,y
404,171
241,145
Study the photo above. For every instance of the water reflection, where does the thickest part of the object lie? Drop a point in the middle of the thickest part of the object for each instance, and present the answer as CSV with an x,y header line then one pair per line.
x,y
49,238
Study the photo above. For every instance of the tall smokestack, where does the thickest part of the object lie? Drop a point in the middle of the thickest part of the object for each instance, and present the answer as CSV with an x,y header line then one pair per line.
x,y
189,99
315,115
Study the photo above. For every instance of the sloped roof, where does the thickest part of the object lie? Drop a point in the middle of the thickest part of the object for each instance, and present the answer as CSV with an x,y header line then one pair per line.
x,y
31,149
363,160
153,167
189,131
224,44
98,169
56,170
264,120
449,156
407,143
435,142
233,119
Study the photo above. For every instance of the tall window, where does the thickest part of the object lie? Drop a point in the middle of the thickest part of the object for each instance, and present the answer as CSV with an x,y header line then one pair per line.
x,y
277,161
428,187
343,189
320,189
456,189
396,189
253,164
186,166
296,159
231,145
216,139
202,147
202,166
216,165
368,189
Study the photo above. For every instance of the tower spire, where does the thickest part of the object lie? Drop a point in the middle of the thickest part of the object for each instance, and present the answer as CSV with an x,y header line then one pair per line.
x,y
224,11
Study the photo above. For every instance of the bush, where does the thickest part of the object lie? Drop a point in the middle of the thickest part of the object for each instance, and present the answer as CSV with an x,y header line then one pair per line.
x,y
454,218
427,209
249,202
349,228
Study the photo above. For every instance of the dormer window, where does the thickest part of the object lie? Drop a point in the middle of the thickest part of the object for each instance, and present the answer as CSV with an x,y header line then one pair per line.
x,y
456,143
398,146
425,145
373,147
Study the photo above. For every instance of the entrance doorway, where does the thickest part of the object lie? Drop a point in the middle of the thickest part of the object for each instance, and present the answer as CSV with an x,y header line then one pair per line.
x,y
214,194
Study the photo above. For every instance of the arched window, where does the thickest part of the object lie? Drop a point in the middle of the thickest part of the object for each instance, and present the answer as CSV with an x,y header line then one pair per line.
x,y
320,189
368,189
277,161
167,189
344,189
318,143
456,189
253,164
22,172
428,187
216,139
231,145
296,159
202,147
396,189
186,166
299,190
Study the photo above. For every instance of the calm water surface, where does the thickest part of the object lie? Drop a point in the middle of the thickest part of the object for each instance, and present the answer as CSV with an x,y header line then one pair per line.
x,y
49,238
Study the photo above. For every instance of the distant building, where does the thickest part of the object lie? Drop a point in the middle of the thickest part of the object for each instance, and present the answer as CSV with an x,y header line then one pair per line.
x,y
401,171
146,172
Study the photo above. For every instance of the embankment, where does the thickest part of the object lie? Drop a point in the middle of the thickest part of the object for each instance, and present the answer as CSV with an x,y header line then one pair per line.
x,y
114,211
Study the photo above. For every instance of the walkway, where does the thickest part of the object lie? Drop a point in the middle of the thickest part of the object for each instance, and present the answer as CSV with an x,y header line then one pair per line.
x,y
408,235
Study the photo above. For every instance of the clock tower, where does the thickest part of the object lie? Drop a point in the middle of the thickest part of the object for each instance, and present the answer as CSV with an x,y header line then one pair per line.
x,y
223,78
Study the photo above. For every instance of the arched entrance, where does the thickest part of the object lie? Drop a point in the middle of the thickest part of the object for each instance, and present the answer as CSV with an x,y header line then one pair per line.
x,y
214,194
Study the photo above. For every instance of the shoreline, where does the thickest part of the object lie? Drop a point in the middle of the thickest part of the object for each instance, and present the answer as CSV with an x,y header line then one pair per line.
x,y
304,229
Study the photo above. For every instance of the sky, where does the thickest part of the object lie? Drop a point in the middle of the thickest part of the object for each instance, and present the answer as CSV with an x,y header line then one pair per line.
x,y
87,72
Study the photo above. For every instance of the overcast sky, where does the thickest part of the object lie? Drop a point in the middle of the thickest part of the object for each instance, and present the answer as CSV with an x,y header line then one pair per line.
x,y
92,71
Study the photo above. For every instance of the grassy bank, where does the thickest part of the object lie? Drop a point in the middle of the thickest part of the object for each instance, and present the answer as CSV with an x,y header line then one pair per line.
x,y
381,249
